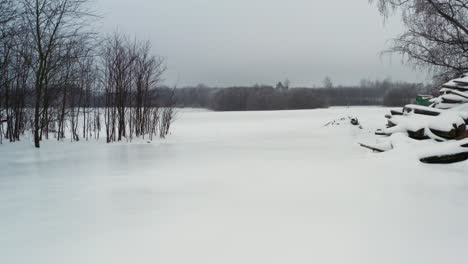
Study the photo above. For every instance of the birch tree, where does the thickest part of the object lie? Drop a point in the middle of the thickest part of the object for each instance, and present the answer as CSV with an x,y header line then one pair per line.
x,y
436,34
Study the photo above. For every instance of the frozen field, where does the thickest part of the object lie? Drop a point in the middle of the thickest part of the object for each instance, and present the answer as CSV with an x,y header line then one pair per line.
x,y
233,188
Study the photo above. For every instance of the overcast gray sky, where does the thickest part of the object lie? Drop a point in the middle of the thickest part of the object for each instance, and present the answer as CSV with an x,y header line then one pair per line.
x,y
243,42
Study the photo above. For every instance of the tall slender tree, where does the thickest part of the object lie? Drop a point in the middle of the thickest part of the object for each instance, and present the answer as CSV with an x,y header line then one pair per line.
x,y
49,24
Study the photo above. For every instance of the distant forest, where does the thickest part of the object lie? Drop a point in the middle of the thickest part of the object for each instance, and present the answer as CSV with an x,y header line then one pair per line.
x,y
281,97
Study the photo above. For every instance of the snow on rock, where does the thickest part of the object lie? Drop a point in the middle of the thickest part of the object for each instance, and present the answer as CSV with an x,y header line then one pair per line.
x,y
460,83
444,148
409,122
445,121
419,108
454,97
461,110
423,122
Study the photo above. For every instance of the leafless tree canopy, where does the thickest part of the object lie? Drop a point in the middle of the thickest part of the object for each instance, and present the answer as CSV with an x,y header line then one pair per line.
x,y
54,71
436,35
130,74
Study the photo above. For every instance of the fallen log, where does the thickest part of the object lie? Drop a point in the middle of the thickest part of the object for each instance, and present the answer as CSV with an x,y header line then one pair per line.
x,y
452,100
445,106
455,96
445,159
395,112
379,132
418,134
461,83
390,123
461,94
457,84
422,110
455,133
373,148
462,136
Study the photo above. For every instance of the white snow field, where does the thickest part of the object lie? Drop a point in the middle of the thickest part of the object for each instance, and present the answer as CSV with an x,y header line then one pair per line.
x,y
233,188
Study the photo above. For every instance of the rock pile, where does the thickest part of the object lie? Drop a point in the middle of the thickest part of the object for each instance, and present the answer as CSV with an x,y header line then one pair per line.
x,y
445,119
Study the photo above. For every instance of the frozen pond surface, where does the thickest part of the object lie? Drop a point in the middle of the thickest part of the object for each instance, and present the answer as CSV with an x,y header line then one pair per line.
x,y
240,187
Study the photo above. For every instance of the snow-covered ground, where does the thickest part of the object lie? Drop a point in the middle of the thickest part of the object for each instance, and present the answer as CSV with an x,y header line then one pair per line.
x,y
238,187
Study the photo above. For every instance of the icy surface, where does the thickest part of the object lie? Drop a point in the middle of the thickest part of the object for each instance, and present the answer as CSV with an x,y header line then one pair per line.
x,y
231,188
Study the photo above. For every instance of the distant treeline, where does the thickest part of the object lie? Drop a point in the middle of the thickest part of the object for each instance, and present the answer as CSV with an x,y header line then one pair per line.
x,y
263,97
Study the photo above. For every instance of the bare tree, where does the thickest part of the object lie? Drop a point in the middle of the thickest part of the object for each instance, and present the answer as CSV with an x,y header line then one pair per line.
x,y
436,35
327,82
9,12
167,116
287,84
48,64
14,70
129,76
148,71
49,24
118,61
